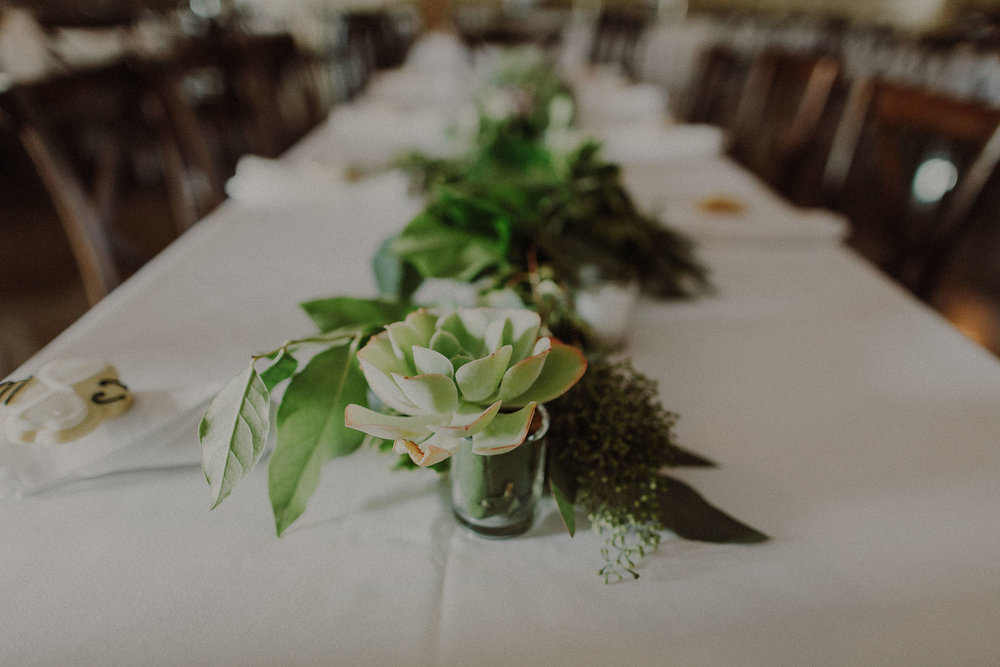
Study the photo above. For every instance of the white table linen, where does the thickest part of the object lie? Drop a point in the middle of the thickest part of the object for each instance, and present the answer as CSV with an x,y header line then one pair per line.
x,y
851,423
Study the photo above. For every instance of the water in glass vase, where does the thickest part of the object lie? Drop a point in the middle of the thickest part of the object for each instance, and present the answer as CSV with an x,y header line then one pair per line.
x,y
495,496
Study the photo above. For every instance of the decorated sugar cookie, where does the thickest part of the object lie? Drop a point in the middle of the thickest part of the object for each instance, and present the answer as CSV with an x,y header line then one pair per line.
x,y
65,400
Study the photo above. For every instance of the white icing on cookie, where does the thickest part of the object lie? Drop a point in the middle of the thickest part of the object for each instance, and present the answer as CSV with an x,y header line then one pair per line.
x,y
65,400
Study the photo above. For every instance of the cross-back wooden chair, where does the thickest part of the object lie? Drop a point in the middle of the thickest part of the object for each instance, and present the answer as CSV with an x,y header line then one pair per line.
x,y
227,86
909,167
715,87
80,130
777,126
616,39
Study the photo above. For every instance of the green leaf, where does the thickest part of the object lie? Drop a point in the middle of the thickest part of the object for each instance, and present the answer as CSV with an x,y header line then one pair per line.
x,y
680,457
311,430
342,311
395,278
684,511
233,432
284,367
565,506
437,251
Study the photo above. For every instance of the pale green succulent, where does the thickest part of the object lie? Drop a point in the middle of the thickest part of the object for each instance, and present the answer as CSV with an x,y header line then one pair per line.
x,y
470,372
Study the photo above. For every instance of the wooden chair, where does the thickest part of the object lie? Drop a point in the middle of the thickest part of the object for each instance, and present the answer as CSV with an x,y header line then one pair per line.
x,y
616,39
909,167
716,85
82,131
230,87
777,126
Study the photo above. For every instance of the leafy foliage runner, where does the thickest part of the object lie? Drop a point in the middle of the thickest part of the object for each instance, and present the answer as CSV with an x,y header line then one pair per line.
x,y
519,217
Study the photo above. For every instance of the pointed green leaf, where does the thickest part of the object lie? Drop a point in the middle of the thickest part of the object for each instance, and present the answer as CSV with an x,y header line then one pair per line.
x,y
684,511
565,507
311,429
284,367
233,432
336,312
680,457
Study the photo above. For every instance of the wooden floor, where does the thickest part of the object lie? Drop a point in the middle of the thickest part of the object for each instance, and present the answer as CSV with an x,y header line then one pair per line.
x,y
41,294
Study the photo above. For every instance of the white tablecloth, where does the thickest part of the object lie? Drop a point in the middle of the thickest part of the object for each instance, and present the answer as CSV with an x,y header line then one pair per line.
x,y
852,424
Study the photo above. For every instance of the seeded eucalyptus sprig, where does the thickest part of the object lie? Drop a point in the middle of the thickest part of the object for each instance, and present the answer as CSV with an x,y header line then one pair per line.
x,y
610,440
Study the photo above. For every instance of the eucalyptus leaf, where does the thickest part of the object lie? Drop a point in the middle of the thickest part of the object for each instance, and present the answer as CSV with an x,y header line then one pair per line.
x,y
684,511
311,430
344,311
233,432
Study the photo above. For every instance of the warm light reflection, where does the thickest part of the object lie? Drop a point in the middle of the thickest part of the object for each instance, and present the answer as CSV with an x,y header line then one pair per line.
x,y
974,315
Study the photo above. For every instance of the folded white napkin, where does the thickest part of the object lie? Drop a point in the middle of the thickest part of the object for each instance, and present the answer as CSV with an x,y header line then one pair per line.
x,y
373,135
159,430
282,183
658,142
605,99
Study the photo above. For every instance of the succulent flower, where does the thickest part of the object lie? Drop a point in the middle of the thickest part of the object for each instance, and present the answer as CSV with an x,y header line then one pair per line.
x,y
470,372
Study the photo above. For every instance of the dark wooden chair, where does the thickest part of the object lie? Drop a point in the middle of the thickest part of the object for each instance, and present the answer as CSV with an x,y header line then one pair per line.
x,y
617,34
909,167
88,135
237,89
714,91
777,127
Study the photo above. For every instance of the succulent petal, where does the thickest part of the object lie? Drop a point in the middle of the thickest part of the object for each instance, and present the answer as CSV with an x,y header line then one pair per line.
x,y
429,362
479,378
498,333
505,432
379,352
465,424
431,394
525,326
423,323
519,377
445,343
386,389
403,337
455,324
564,365
389,427
426,453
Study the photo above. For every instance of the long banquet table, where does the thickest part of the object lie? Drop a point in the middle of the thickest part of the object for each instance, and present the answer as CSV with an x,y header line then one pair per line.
x,y
851,423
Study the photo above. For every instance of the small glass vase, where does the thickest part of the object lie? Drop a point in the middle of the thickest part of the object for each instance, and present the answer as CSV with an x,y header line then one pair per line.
x,y
495,496
606,303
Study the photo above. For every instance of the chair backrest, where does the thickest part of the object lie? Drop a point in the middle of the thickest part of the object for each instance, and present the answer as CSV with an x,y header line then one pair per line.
x,y
777,124
86,133
617,34
908,167
715,87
